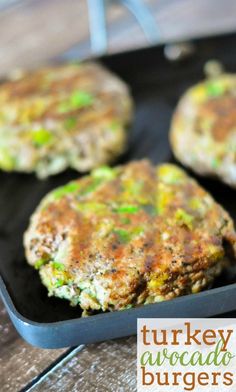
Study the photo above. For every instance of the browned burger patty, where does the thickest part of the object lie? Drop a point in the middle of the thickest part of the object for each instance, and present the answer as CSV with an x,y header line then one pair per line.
x,y
73,115
131,235
203,130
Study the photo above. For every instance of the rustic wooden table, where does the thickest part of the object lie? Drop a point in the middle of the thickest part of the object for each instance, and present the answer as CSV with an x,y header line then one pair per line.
x,y
32,32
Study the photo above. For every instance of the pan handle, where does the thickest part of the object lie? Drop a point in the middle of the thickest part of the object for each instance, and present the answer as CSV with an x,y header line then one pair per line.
x,y
97,26
145,18
97,22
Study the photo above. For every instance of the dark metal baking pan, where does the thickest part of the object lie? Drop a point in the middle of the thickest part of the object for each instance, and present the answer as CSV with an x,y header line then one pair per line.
x,y
156,84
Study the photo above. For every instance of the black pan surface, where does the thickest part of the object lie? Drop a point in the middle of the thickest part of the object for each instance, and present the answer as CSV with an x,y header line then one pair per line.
x,y
156,84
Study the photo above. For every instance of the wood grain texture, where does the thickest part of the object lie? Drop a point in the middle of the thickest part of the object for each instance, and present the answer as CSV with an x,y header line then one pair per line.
x,y
35,31
19,362
104,367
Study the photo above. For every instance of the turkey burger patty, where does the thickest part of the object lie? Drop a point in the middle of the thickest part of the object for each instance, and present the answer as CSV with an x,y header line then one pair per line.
x,y
126,236
71,115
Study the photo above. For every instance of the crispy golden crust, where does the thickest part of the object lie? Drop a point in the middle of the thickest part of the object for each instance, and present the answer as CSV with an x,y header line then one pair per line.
x,y
222,113
63,116
203,129
129,235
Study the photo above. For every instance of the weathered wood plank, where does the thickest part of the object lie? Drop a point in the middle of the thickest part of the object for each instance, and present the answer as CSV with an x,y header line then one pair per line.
x,y
104,367
38,30
19,362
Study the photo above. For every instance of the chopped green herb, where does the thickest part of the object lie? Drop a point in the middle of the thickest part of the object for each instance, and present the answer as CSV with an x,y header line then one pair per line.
x,y
133,187
59,282
137,231
39,263
127,208
77,100
215,88
184,218
64,190
170,174
58,266
65,107
92,206
215,163
122,235
91,187
125,220
104,172
41,137
70,122
128,306
115,124
7,162
81,99
195,203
